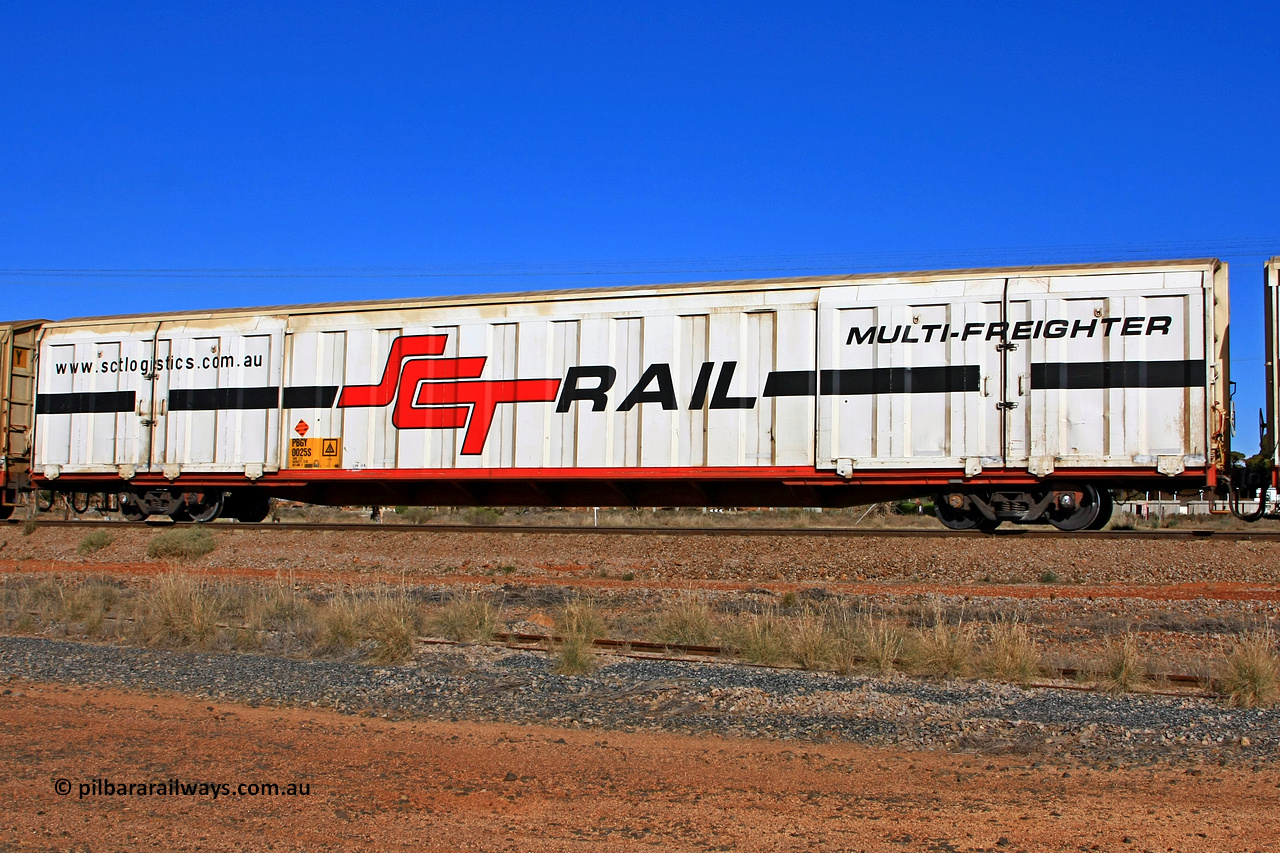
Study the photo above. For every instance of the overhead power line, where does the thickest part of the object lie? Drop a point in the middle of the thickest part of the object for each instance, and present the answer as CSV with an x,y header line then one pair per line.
x,y
732,265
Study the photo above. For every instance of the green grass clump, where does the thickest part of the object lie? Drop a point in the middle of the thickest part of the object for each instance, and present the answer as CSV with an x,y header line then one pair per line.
x,y
181,543
94,542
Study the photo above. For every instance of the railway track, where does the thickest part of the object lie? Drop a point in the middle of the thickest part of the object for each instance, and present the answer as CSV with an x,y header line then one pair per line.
x,y
1166,534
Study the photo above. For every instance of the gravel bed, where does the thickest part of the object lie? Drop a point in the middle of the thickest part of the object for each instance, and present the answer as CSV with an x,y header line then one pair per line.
x,y
1061,727
657,557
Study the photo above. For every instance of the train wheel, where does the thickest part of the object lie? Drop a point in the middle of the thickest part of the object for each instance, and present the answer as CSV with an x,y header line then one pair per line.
x,y
1081,514
960,519
80,502
1105,508
205,508
130,509
249,507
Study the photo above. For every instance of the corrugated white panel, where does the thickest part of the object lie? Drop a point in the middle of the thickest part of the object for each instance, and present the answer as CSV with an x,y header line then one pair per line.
x,y
217,395
885,374
561,429
693,359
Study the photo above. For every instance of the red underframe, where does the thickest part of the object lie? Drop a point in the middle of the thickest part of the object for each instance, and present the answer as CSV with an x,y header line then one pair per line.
x,y
789,476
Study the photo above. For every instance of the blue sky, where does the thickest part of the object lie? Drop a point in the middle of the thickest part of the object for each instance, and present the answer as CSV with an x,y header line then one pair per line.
x,y
241,154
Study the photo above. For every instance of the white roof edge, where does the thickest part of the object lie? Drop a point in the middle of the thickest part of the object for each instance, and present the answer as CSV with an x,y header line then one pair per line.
x,y
785,283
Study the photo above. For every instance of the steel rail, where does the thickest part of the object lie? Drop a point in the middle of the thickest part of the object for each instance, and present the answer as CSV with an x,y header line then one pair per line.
x,y
579,530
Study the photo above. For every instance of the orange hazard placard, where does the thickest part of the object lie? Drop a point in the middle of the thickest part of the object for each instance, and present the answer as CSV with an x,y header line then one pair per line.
x,y
315,453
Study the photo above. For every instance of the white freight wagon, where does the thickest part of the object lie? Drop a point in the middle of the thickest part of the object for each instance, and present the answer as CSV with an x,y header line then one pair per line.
x,y
1011,394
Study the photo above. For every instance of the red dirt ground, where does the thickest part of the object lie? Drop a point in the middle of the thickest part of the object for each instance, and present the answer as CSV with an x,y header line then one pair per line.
x,y
383,785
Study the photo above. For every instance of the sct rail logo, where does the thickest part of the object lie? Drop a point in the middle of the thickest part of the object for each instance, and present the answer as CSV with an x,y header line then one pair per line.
x,y
443,393
430,392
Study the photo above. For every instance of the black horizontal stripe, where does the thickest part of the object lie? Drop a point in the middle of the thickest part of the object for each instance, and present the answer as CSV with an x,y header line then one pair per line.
x,y
1118,374
211,399
310,396
900,380
791,383
82,402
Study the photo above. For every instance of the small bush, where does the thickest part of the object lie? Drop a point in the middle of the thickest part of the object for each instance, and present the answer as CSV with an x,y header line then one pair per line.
x,y
1011,654
1251,675
415,514
687,622
90,603
1123,669
483,515
29,527
1049,576
182,543
466,618
94,542
580,618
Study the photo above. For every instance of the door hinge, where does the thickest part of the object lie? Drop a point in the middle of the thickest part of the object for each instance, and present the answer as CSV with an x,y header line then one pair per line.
x,y
1006,404
1006,346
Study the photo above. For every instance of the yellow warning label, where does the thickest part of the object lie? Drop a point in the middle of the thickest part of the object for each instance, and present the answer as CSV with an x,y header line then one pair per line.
x,y
315,453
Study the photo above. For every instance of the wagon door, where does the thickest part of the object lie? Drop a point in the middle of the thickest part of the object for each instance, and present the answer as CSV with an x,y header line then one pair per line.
x,y
910,377
221,403
153,402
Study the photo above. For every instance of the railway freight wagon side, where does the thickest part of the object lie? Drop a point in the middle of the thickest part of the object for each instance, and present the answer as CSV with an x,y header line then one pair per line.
x,y
17,409
1021,394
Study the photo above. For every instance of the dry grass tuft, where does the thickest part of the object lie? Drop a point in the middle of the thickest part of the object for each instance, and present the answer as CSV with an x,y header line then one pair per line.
x,y
687,622
90,603
861,641
1251,676
392,622
467,618
1011,654
811,642
182,611
578,625
760,638
574,656
338,633
181,543
942,650
581,618
1123,668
